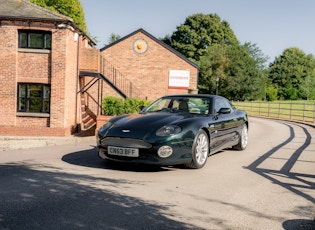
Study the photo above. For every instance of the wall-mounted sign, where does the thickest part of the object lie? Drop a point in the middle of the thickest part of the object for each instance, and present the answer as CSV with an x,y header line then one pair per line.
x,y
178,79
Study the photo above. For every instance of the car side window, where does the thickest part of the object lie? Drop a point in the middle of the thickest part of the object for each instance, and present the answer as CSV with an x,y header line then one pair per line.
x,y
221,103
174,104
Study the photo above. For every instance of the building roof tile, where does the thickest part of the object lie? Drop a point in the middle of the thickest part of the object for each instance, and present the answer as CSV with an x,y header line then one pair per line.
x,y
23,9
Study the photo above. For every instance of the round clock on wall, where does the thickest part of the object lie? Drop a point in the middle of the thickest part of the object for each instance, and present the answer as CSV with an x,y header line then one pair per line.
x,y
140,46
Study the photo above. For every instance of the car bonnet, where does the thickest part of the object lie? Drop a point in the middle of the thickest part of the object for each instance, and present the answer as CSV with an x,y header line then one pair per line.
x,y
140,125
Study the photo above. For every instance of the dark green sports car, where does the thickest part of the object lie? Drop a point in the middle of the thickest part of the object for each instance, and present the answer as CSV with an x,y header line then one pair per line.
x,y
176,129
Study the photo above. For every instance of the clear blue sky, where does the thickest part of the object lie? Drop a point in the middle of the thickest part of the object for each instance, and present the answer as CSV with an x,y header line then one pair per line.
x,y
273,25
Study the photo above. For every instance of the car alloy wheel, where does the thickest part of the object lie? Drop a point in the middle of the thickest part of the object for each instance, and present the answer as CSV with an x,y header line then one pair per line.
x,y
200,150
243,139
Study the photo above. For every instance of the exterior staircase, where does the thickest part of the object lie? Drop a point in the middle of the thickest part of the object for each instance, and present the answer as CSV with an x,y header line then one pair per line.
x,y
112,74
91,106
88,116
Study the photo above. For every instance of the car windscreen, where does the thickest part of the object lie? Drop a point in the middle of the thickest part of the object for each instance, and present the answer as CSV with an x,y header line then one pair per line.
x,y
194,105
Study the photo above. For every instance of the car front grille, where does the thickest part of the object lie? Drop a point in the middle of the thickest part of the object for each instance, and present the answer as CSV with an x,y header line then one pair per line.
x,y
125,142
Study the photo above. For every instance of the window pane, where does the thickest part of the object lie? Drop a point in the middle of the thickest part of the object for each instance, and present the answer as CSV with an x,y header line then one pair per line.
x,y
22,104
22,90
47,91
23,40
35,91
35,104
48,41
46,106
36,40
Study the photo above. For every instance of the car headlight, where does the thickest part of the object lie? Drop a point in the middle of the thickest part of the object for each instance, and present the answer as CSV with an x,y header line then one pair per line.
x,y
168,130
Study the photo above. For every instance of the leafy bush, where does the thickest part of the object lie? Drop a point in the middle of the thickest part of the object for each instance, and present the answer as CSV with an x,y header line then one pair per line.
x,y
271,93
132,105
113,106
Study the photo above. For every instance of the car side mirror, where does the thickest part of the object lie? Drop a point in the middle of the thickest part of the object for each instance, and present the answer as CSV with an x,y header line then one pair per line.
x,y
141,107
224,111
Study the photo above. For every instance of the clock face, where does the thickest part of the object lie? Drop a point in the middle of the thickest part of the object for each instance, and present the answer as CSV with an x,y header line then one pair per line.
x,y
140,46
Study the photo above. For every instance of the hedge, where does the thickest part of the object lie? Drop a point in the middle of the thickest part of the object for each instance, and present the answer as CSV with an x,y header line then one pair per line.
x,y
113,106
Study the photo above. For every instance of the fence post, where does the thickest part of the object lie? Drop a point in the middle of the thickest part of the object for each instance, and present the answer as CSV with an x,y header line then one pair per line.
x,y
304,111
279,107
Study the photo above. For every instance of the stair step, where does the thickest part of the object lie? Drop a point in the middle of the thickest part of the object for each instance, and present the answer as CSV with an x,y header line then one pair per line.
x,y
89,124
87,119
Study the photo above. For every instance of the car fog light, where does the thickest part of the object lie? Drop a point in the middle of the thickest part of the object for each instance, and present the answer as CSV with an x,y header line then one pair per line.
x,y
165,151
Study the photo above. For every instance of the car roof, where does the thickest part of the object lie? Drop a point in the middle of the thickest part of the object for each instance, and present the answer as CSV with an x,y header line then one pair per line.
x,y
194,95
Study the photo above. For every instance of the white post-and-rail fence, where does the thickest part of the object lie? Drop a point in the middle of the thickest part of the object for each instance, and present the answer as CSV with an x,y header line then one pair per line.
x,y
286,110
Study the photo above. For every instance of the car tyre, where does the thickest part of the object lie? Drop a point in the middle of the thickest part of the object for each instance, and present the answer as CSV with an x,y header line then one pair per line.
x,y
243,139
200,151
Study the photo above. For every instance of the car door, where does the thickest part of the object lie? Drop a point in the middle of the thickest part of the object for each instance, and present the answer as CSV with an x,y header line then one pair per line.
x,y
225,122
216,126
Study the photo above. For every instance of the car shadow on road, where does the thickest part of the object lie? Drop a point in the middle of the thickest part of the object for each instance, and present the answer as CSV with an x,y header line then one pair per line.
x,y
89,158
302,184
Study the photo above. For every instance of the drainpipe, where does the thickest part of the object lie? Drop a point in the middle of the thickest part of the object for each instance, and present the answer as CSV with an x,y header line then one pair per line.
x,y
77,84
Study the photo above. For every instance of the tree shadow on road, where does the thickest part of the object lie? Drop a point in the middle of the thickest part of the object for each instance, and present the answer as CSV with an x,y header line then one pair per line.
x,y
299,224
298,181
42,197
301,184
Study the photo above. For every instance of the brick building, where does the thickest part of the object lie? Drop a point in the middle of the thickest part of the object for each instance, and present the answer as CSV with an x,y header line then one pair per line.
x,y
53,79
152,68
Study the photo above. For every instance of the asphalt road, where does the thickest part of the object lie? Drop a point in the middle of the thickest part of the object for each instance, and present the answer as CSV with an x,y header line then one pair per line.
x,y
270,185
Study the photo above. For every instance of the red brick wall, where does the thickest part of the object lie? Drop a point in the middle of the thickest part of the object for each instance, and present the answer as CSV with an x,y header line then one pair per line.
x,y
149,71
8,62
71,78
57,67
89,59
33,67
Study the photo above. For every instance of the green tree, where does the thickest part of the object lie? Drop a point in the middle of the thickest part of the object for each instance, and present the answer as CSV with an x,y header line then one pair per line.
x,y
289,71
212,68
259,65
211,43
239,70
308,87
112,38
198,32
271,93
244,78
70,8
259,58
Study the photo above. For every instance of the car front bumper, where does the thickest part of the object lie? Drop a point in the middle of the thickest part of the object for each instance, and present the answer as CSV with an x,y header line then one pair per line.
x,y
147,152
